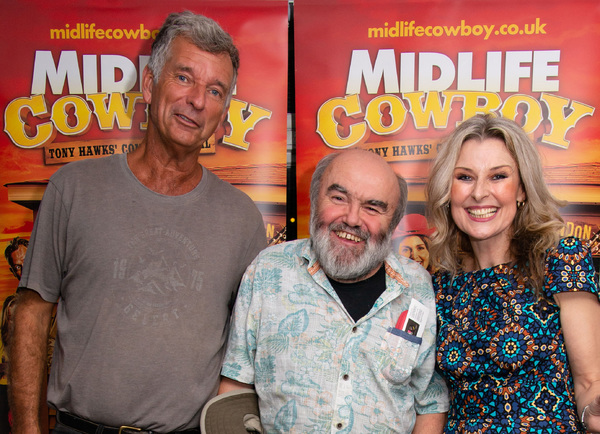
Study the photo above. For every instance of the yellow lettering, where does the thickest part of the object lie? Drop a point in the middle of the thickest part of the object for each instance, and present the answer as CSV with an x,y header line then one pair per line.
x,y
20,132
71,110
533,114
243,118
375,113
561,124
116,109
432,108
477,102
571,229
329,124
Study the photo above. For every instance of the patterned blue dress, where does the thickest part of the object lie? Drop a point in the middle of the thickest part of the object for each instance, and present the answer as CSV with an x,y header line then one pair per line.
x,y
502,351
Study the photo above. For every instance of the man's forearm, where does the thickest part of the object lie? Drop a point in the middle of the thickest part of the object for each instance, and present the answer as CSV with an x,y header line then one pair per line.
x,y
27,360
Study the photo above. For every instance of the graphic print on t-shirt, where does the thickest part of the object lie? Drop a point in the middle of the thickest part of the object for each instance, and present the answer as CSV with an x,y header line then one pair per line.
x,y
159,266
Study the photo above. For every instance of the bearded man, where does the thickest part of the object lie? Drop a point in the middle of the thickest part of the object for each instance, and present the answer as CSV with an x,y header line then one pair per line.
x,y
336,333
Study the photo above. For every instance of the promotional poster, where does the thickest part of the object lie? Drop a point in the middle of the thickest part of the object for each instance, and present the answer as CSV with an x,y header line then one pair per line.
x,y
396,78
71,91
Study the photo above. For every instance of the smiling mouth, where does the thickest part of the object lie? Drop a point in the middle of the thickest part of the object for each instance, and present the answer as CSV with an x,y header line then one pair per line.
x,y
482,213
348,236
186,119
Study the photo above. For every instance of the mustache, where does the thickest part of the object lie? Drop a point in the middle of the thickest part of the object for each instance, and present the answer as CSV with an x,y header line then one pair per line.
x,y
350,229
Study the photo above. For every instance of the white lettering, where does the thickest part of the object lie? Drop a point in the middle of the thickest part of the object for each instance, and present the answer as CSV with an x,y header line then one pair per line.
x,y
385,67
68,72
68,68
109,63
438,72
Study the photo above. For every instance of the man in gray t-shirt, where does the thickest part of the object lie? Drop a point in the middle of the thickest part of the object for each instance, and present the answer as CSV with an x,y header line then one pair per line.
x,y
144,253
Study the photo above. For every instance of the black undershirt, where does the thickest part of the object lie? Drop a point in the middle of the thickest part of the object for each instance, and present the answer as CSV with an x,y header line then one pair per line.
x,y
359,297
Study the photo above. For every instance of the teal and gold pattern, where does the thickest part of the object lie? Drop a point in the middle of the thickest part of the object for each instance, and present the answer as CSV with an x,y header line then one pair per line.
x,y
502,350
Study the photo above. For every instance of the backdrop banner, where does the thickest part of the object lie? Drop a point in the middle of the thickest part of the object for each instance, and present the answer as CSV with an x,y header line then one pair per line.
x,y
397,77
70,90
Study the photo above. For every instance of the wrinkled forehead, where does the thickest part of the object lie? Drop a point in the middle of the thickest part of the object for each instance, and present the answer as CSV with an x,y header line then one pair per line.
x,y
365,180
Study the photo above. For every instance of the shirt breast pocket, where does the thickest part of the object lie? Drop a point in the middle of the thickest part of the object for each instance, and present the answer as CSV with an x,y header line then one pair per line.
x,y
401,351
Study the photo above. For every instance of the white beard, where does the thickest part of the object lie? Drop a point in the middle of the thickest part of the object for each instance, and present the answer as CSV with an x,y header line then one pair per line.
x,y
342,263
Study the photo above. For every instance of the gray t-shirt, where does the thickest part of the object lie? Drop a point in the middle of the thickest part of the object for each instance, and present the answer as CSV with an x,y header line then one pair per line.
x,y
145,284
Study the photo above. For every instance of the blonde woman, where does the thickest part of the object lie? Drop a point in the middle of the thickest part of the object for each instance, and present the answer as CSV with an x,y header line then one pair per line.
x,y
518,308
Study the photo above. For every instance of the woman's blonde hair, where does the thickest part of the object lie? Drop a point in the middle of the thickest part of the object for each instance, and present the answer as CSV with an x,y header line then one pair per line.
x,y
537,224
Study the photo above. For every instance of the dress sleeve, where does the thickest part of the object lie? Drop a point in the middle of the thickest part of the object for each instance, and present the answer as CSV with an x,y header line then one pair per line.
x,y
569,268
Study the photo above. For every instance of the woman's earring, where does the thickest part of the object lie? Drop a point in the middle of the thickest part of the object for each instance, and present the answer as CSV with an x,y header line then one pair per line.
x,y
520,204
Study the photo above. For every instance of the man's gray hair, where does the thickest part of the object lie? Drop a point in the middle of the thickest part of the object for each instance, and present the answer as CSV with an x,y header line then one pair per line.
x,y
203,32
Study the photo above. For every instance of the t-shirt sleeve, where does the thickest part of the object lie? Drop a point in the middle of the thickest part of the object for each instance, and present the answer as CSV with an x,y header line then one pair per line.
x,y
258,241
43,265
569,268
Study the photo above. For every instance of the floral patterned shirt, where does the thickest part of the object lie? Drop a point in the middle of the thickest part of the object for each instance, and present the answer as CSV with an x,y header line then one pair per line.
x,y
502,350
313,367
